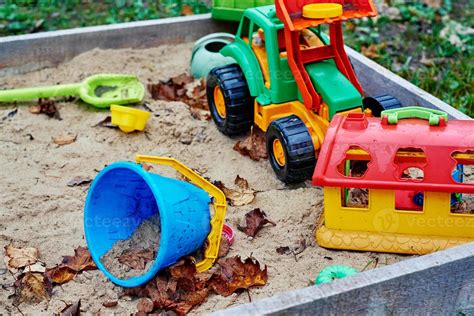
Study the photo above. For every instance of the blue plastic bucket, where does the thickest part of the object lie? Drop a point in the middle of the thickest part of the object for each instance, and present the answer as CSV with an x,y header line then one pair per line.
x,y
123,195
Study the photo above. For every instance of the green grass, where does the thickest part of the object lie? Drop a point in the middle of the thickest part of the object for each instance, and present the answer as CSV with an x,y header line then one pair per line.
x,y
431,47
20,17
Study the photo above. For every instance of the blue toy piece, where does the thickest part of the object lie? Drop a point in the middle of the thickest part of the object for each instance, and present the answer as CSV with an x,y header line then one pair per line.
x,y
124,195
458,176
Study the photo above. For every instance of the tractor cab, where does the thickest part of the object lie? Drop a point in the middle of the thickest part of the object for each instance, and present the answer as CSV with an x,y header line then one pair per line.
x,y
290,79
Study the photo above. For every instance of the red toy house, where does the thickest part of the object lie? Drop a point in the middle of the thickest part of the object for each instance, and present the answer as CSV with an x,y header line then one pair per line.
x,y
396,184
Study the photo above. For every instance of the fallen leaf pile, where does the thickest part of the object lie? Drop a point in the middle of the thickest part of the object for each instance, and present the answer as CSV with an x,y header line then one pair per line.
x,y
254,146
137,258
35,283
240,196
71,266
186,89
31,286
181,287
46,106
255,220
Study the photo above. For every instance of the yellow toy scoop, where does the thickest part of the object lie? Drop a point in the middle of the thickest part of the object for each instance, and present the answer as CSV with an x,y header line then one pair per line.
x,y
99,90
129,119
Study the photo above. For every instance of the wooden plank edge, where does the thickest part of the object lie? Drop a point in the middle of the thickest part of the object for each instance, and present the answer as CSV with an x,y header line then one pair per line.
x,y
388,289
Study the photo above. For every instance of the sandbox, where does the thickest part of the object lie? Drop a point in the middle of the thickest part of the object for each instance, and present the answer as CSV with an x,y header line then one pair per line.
x,y
40,210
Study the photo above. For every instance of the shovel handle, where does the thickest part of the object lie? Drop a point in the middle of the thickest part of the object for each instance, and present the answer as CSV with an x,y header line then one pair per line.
x,y
28,94
220,206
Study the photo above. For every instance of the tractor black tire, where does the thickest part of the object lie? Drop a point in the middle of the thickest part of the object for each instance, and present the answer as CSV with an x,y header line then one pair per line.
x,y
300,159
239,104
381,103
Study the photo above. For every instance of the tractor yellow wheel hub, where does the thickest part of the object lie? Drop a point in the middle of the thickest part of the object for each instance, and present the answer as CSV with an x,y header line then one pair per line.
x,y
322,10
279,153
219,101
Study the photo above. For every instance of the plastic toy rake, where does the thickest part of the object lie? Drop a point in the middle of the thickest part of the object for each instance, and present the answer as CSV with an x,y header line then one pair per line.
x,y
99,91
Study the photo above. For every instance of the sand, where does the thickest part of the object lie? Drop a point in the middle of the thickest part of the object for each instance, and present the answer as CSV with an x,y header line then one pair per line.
x,y
38,209
145,238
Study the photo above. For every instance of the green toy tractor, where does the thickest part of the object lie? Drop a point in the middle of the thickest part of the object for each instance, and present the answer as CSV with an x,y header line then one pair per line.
x,y
290,79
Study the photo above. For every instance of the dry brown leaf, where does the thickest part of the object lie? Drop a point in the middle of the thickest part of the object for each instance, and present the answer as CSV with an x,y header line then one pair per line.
x,y
237,197
371,51
72,310
237,274
197,96
255,220
136,258
284,250
254,146
20,257
170,90
187,10
199,114
145,305
191,299
106,122
32,288
185,89
178,289
81,261
37,267
60,274
300,245
224,248
241,183
78,181
182,80
433,3
110,304
65,139
70,266
46,106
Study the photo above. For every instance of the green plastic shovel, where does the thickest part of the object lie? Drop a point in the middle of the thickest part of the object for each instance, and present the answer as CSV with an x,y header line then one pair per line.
x,y
99,90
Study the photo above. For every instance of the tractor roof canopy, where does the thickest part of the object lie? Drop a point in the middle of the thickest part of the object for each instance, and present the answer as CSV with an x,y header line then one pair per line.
x,y
291,10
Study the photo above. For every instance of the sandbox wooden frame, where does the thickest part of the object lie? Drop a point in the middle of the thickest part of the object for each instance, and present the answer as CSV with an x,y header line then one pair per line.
x,y
440,283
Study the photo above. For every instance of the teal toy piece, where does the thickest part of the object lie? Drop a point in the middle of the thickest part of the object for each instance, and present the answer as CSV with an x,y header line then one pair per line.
x,y
123,195
334,272
206,54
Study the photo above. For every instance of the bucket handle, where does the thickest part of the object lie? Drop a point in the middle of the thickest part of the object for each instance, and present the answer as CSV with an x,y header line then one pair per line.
x,y
220,206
